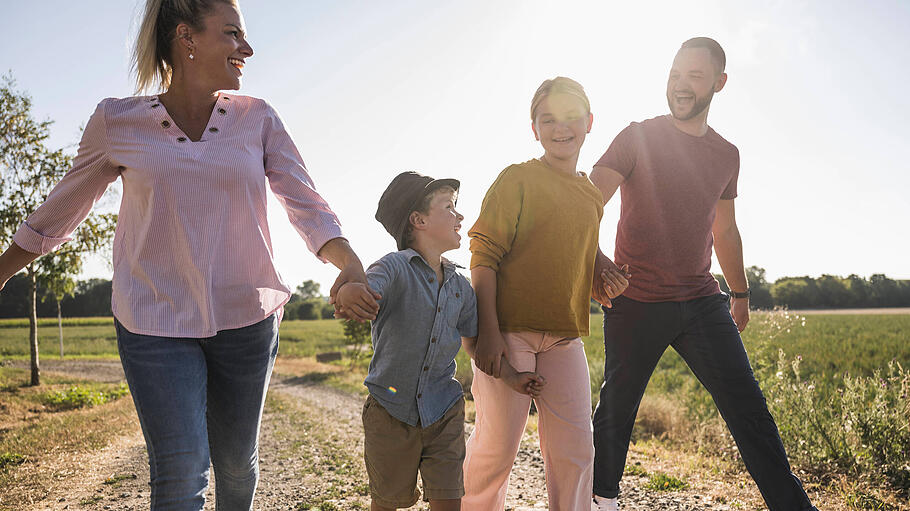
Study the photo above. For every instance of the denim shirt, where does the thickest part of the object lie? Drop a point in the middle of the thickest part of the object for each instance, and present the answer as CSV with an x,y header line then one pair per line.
x,y
416,336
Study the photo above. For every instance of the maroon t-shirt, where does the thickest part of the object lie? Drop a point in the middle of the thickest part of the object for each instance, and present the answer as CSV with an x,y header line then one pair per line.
x,y
673,181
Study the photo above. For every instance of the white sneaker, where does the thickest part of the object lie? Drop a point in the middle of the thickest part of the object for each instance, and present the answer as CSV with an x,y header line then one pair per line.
x,y
604,504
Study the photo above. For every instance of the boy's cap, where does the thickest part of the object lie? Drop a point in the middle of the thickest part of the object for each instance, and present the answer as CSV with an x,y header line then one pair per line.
x,y
402,197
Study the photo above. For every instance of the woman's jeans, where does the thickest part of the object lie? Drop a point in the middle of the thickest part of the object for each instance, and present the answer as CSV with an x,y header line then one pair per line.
x,y
200,400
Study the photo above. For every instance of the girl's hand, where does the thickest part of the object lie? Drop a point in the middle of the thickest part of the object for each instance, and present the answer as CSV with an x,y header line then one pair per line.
x,y
489,351
529,383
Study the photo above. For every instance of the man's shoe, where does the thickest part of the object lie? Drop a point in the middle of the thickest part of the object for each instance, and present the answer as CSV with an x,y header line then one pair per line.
x,y
604,504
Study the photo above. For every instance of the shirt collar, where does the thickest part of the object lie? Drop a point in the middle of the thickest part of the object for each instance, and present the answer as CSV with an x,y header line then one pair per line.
x,y
447,265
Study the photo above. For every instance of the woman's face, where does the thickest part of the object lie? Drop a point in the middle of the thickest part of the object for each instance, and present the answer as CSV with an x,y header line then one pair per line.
x,y
220,49
561,122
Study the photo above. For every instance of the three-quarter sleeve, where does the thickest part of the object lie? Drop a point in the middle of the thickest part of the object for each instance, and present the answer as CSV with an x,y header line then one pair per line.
x,y
288,178
71,200
494,231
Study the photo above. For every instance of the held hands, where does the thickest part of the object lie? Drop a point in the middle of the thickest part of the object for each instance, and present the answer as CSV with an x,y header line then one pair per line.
x,y
739,309
610,281
529,382
359,301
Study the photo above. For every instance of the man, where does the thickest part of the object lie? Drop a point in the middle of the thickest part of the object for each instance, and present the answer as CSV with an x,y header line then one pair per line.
x,y
677,179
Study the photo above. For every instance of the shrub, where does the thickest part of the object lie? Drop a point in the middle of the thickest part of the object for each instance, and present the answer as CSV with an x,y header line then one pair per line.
x,y
78,397
665,482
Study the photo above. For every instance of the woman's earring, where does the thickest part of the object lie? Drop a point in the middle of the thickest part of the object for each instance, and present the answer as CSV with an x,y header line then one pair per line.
x,y
191,56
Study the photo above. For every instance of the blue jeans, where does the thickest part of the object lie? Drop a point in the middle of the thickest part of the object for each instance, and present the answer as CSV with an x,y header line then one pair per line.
x,y
702,331
201,400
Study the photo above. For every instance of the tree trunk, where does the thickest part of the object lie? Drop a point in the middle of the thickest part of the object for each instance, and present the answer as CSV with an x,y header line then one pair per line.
x,y
33,326
60,327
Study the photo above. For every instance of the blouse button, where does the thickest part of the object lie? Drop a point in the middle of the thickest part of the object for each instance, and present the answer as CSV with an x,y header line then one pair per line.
x,y
222,111
165,124
225,98
156,105
213,130
181,139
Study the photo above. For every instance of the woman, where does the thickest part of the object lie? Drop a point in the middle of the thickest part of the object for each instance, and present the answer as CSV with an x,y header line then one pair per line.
x,y
196,298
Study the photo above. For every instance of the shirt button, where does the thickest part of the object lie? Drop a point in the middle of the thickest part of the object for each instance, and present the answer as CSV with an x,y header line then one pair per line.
x,y
222,111
156,105
431,279
425,368
457,295
181,139
433,340
419,396
165,124
438,309
213,130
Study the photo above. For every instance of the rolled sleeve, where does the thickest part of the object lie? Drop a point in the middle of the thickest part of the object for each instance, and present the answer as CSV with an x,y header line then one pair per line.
x,y
72,199
380,276
307,211
497,224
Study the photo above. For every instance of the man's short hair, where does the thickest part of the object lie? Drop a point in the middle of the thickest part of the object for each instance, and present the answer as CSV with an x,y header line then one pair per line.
x,y
718,57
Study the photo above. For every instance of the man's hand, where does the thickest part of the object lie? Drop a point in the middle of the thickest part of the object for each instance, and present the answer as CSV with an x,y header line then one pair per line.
x,y
739,309
489,351
356,301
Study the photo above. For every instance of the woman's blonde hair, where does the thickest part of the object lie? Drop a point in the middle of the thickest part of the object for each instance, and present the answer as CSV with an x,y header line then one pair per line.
x,y
151,59
559,85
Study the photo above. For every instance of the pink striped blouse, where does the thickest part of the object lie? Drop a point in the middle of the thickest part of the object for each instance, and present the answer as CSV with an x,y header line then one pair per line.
x,y
192,250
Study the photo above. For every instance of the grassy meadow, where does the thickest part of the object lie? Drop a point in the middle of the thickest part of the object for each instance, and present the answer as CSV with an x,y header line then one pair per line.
x,y
836,384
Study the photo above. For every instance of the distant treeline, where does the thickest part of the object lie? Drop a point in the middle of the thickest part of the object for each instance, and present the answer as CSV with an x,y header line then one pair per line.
x,y
93,297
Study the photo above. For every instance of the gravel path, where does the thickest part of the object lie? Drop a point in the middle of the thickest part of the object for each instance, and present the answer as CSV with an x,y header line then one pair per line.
x,y
311,457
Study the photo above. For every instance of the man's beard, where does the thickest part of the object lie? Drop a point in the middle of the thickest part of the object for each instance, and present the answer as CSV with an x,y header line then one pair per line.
x,y
699,107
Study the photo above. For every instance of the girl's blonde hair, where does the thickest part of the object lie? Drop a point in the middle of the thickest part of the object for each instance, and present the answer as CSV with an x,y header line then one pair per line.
x,y
151,59
559,85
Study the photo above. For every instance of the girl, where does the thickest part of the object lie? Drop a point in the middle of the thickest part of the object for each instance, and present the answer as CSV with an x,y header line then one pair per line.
x,y
532,267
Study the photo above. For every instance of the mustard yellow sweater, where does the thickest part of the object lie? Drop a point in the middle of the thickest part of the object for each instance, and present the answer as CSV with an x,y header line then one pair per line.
x,y
538,229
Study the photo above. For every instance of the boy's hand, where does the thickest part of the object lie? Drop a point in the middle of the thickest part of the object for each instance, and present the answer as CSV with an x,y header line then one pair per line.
x,y
489,351
529,383
356,301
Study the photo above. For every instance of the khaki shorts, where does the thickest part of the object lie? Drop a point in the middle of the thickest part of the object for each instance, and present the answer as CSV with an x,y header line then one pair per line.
x,y
394,451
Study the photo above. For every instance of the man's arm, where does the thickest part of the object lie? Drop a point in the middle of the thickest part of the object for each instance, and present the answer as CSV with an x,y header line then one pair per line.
x,y
728,245
609,279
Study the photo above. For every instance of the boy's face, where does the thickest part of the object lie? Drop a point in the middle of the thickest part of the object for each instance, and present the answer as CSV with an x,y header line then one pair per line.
x,y
438,227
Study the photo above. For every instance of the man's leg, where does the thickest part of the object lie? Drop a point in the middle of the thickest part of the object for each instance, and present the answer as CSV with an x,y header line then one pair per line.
x,y
635,336
711,346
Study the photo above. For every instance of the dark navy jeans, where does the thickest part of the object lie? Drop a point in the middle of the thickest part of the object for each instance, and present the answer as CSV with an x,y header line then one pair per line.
x,y
702,331
200,400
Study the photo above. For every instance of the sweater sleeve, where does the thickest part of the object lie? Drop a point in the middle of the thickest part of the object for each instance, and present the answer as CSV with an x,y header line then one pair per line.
x,y
71,200
494,231
289,180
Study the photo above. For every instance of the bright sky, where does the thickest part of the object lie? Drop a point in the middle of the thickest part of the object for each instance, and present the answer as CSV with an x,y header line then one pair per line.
x,y
815,101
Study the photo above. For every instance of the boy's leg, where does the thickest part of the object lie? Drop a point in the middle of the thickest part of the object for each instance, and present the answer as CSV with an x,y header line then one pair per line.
x,y
564,422
391,451
167,380
635,336
501,415
442,459
712,347
239,365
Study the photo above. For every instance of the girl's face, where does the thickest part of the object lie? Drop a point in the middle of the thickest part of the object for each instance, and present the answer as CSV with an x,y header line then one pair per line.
x,y
220,49
560,124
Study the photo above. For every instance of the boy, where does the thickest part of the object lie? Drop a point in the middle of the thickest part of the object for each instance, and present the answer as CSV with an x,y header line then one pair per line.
x,y
413,418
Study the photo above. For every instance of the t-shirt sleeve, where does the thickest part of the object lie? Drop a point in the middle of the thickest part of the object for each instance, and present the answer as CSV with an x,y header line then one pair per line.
x,y
730,191
494,231
621,154
467,320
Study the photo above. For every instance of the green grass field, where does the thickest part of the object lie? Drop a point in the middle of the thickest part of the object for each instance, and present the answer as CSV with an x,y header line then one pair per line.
x,y
829,345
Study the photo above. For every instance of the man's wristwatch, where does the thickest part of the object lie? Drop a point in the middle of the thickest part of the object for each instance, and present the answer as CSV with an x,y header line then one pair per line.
x,y
745,294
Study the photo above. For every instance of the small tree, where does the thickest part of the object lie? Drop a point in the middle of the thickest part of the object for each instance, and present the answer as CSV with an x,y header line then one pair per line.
x,y
29,172
358,334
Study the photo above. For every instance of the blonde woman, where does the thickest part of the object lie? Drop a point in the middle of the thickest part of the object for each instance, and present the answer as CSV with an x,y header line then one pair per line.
x,y
196,298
